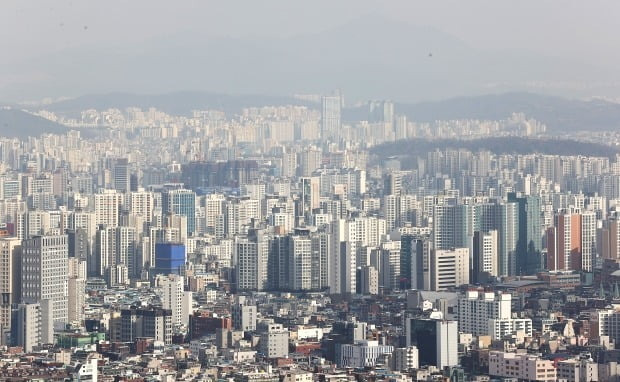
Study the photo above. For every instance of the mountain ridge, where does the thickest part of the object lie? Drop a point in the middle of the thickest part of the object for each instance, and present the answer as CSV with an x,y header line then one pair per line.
x,y
16,123
559,114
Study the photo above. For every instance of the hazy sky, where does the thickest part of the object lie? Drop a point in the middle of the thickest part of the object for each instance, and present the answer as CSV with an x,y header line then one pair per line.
x,y
583,30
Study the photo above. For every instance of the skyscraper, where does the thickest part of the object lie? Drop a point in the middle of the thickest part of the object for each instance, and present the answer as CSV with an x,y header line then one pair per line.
x,y
142,203
79,243
289,164
278,263
485,256
393,183
309,195
234,173
173,297
588,240
368,280
45,273
564,246
76,290
451,226
608,238
389,272
251,259
529,244
330,116
107,207
414,262
310,160
571,242
118,246
300,259
449,268
320,260
121,176
504,218
181,202
391,208
342,260
10,281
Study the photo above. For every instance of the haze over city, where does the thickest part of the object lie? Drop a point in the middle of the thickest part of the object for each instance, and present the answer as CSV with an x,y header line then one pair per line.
x,y
310,191
371,49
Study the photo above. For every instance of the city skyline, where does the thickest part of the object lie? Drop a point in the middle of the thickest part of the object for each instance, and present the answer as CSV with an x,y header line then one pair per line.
x,y
310,191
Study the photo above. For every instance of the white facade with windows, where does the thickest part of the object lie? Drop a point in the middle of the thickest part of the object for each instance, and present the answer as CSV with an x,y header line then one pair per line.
x,y
449,268
477,308
362,353
274,341
45,273
172,293
498,328
404,359
527,367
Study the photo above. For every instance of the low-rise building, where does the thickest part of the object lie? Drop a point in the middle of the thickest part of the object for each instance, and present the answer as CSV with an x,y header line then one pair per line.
x,y
578,370
362,353
521,366
499,328
404,359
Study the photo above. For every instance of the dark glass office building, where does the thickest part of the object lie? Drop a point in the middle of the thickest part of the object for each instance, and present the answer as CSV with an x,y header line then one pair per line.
x,y
169,258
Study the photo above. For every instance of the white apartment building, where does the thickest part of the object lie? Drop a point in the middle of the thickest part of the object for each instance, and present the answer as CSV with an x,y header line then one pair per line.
x,y
251,260
588,240
501,327
449,268
10,248
33,223
476,308
404,359
213,210
107,207
173,297
320,259
342,258
300,255
76,290
142,203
